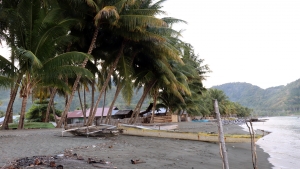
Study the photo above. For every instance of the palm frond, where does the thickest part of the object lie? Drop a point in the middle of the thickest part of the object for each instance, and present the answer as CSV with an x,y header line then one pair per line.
x,y
130,22
148,12
92,4
69,58
126,76
73,71
29,56
5,82
121,4
171,20
6,67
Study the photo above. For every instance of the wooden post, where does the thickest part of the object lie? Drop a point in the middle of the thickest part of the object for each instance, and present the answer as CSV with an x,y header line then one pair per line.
x,y
253,145
221,136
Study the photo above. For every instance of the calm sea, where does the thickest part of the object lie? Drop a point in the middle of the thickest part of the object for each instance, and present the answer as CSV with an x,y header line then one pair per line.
x,y
283,144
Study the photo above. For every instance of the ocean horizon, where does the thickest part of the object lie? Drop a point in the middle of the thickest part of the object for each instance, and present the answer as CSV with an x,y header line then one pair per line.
x,y
283,143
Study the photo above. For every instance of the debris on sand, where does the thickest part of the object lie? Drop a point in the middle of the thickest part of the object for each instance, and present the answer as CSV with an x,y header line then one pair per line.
x,y
56,161
137,161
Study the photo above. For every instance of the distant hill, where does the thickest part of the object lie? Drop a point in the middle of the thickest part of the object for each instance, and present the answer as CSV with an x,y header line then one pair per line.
x,y
274,100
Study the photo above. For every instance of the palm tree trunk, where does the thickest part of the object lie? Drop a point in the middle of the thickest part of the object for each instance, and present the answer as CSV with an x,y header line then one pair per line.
x,y
80,100
50,104
23,109
10,118
108,78
154,105
119,88
93,98
54,114
65,121
63,116
103,106
11,103
137,109
84,107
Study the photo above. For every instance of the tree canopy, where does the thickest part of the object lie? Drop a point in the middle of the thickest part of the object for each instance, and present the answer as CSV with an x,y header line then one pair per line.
x,y
64,46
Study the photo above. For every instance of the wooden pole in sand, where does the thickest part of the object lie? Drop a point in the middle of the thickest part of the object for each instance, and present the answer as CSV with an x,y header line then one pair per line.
x,y
221,136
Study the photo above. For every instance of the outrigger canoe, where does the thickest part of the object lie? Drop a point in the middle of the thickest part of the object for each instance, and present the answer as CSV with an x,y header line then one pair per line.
x,y
94,131
206,137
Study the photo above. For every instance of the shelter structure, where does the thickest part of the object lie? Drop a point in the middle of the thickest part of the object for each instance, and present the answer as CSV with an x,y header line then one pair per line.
x,y
122,114
76,116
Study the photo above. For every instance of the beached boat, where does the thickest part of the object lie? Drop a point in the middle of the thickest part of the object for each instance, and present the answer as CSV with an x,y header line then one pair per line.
x,y
207,137
155,126
94,131
201,120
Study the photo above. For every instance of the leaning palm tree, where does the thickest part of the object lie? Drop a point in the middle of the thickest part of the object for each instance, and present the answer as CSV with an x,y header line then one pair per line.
x,y
133,26
45,30
101,15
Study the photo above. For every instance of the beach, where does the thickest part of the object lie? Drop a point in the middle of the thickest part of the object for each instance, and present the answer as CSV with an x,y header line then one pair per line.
x,y
120,150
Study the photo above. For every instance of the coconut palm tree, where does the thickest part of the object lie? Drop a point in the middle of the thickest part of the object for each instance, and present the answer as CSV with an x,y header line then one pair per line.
x,y
108,15
39,29
131,27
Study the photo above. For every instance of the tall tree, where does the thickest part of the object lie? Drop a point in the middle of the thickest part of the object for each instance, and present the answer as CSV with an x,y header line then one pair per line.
x,y
105,14
36,29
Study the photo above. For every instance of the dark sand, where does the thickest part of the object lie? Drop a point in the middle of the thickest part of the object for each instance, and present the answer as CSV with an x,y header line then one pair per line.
x,y
157,153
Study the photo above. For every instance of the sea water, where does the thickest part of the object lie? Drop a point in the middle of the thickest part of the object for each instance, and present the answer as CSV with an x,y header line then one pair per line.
x,y
283,143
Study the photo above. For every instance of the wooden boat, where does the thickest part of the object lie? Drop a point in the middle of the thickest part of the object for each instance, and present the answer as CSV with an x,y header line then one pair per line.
x,y
94,131
201,120
157,126
144,131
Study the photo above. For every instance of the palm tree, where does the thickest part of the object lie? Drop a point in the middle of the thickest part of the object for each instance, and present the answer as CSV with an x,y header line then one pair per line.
x,y
220,96
131,27
105,14
45,30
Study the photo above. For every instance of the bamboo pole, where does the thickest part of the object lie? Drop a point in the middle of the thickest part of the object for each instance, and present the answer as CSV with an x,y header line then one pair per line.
x,y
221,136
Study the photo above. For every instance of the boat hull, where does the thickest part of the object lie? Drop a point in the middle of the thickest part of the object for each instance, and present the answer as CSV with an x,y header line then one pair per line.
x,y
185,135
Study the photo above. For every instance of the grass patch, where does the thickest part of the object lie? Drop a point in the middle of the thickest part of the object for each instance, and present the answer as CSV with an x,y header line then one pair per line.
x,y
33,125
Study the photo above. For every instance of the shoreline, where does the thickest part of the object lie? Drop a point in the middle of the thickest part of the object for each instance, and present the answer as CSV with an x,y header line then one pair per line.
x,y
119,150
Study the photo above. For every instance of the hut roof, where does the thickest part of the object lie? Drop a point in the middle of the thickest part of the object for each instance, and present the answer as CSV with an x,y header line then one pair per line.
x,y
123,112
78,113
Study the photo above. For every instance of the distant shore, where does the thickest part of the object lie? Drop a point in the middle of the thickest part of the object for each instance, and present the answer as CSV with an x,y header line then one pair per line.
x,y
155,152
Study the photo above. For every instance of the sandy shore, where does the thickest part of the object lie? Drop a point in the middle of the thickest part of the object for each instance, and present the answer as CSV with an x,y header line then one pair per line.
x,y
155,152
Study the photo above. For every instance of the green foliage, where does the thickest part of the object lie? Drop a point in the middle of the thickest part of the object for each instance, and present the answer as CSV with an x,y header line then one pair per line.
x,y
37,112
33,125
2,114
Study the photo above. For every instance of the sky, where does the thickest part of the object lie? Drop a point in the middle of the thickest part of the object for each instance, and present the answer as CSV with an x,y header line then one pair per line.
x,y
253,41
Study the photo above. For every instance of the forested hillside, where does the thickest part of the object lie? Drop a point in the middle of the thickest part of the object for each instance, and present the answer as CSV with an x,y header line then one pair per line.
x,y
270,101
